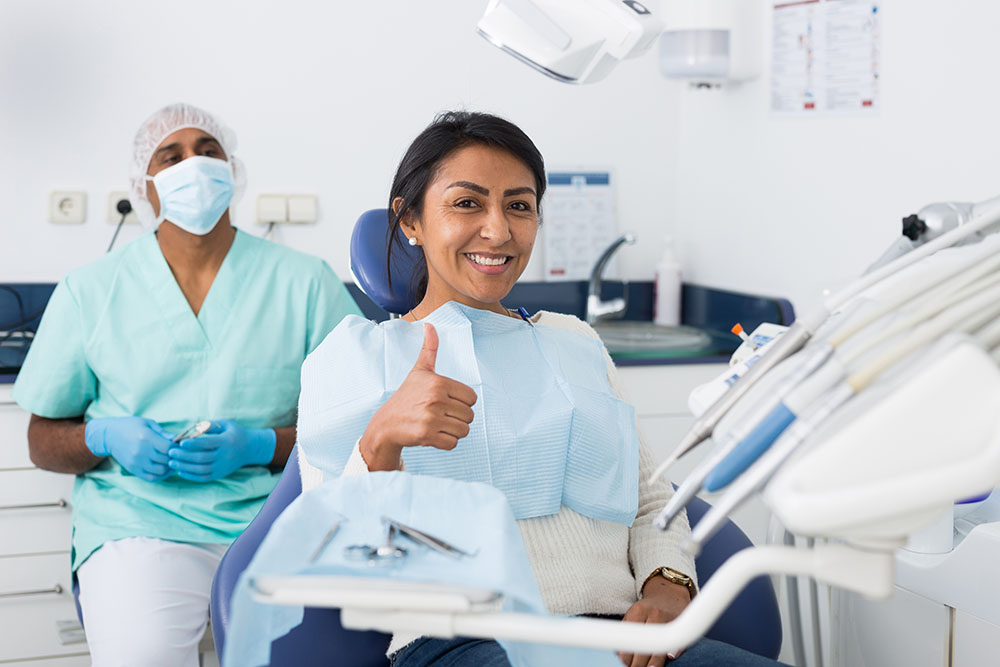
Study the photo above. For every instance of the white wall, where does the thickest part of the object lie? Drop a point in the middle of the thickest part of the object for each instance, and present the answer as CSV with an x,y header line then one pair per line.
x,y
795,206
324,96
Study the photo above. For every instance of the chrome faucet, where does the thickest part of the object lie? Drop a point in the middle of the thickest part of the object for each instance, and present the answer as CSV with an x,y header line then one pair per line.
x,y
603,310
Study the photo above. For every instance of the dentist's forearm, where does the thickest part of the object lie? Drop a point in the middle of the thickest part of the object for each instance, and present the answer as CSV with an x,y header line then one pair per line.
x,y
285,440
58,445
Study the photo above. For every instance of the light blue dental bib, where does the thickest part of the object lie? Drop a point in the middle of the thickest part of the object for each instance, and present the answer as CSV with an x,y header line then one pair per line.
x,y
548,430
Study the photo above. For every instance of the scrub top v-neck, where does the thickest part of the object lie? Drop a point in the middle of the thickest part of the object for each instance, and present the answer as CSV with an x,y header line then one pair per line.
x,y
119,338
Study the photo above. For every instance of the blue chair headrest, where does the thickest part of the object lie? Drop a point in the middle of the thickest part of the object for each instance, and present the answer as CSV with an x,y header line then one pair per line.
x,y
369,244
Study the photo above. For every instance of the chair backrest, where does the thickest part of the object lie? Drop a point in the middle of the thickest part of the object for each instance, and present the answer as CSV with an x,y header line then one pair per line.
x,y
369,244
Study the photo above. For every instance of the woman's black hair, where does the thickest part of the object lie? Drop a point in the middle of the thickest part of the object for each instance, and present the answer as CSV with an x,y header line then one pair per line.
x,y
450,131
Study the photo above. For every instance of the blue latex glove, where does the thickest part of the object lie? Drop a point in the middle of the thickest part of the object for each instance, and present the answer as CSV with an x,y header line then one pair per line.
x,y
224,448
138,444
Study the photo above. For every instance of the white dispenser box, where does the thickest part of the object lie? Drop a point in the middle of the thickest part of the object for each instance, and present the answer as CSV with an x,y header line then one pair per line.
x,y
712,42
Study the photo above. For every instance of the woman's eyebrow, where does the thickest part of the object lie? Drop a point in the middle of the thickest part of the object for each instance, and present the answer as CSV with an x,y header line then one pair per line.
x,y
519,191
468,185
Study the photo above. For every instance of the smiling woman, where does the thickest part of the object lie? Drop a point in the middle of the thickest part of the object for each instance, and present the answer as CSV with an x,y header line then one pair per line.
x,y
468,192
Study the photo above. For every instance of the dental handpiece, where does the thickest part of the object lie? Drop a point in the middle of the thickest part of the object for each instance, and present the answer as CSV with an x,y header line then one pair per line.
x,y
763,469
692,484
987,214
978,310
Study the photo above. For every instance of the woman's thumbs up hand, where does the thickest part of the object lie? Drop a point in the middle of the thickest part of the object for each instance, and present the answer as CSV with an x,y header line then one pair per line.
x,y
427,410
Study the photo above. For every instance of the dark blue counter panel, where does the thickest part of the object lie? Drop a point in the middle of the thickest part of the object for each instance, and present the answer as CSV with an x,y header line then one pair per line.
x,y
21,308
711,310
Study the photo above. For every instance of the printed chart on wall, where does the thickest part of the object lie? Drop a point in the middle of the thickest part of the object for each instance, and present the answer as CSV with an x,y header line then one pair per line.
x,y
826,57
579,222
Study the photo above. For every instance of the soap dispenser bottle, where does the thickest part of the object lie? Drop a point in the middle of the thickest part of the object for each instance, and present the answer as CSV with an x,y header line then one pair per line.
x,y
667,287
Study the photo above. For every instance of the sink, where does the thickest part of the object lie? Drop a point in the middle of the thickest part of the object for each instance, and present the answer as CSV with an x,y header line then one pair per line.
x,y
624,337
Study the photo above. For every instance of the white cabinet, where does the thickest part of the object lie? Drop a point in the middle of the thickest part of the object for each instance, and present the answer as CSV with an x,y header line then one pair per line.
x,y
977,642
36,590
660,396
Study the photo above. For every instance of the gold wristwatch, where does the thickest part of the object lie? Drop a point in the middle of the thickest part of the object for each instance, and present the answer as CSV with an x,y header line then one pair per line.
x,y
674,577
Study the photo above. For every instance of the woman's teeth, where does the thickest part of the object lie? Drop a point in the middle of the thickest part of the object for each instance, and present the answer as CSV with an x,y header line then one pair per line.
x,y
488,261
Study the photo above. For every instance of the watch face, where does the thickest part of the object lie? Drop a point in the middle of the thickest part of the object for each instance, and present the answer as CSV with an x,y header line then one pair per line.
x,y
676,576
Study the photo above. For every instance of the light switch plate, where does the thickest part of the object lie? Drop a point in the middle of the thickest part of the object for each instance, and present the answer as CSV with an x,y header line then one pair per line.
x,y
67,206
272,209
302,208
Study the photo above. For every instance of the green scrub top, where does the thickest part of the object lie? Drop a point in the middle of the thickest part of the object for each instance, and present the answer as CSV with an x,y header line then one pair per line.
x,y
118,338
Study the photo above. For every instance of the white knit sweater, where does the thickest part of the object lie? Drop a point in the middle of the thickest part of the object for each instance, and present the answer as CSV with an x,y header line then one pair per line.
x,y
582,565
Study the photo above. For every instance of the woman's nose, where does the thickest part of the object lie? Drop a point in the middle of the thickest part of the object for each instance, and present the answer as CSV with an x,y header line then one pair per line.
x,y
495,227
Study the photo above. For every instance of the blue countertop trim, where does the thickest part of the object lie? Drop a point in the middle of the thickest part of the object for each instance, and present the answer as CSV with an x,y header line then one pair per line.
x,y
707,308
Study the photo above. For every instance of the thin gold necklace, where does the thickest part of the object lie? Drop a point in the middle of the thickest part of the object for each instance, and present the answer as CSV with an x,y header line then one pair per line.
x,y
507,311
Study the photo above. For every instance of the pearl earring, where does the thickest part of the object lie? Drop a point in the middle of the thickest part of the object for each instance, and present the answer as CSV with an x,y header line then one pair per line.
x,y
413,240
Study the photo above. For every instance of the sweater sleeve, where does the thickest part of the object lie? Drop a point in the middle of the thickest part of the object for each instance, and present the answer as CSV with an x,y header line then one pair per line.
x,y
649,547
313,476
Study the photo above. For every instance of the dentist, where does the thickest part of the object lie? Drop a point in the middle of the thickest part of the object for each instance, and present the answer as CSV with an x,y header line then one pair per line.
x,y
196,321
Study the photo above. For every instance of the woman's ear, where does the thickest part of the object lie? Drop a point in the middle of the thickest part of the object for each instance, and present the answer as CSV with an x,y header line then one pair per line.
x,y
408,221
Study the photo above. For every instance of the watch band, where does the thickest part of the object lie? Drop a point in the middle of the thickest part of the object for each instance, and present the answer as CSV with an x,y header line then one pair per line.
x,y
674,577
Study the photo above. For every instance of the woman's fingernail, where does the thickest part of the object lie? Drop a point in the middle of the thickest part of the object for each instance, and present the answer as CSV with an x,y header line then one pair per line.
x,y
672,655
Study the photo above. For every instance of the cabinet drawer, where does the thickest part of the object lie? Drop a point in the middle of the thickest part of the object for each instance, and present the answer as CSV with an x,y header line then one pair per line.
x,y
34,511
13,436
35,593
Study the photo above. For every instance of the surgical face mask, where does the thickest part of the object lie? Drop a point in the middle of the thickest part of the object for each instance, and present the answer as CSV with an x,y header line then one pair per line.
x,y
194,193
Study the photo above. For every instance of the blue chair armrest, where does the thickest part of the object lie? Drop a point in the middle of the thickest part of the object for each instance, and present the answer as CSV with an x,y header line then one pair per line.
x,y
753,621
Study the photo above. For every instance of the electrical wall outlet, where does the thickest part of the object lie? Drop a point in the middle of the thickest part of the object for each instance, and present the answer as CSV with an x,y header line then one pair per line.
x,y
67,207
113,216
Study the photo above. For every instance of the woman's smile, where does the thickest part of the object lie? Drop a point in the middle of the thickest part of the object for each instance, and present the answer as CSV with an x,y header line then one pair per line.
x,y
489,263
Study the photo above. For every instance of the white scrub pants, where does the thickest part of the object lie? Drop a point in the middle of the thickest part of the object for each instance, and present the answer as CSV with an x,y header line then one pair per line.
x,y
145,601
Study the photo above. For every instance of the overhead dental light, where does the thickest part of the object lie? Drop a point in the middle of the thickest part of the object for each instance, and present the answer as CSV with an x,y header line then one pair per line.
x,y
705,42
574,41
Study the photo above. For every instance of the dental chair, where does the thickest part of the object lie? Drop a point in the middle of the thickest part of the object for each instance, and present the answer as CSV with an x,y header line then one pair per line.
x,y
751,622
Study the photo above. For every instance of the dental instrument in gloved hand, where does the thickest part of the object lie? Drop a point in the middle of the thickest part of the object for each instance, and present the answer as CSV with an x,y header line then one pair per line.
x,y
193,431
224,448
138,444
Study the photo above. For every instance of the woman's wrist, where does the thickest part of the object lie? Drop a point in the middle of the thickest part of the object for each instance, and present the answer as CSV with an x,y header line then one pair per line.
x,y
658,586
379,456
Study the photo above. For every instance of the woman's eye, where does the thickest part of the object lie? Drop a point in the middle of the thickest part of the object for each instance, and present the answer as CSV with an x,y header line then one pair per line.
x,y
466,203
524,207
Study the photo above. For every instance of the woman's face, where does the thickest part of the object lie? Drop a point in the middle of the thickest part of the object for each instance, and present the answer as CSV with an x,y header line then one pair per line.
x,y
477,229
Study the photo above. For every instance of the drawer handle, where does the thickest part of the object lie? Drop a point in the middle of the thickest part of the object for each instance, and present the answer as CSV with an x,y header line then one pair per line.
x,y
58,503
55,590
